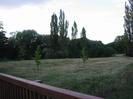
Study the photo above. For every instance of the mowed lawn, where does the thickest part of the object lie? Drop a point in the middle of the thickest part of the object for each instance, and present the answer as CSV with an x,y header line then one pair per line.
x,y
111,78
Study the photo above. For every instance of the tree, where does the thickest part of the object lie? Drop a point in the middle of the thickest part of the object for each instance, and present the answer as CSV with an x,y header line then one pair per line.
x,y
63,31
13,50
54,44
27,42
74,30
84,41
119,44
63,25
128,26
83,33
98,49
2,34
3,42
66,28
84,44
84,54
37,57
74,48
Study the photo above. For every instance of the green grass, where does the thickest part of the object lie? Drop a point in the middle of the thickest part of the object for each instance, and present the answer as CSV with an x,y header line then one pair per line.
x,y
111,78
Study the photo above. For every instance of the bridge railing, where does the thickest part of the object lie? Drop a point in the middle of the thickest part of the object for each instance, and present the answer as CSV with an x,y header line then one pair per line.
x,y
17,88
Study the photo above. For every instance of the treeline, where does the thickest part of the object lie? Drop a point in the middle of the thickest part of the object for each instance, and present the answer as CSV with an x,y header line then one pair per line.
x,y
119,44
124,43
22,45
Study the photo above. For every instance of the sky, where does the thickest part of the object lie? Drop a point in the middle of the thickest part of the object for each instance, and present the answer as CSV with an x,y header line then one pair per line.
x,y
102,19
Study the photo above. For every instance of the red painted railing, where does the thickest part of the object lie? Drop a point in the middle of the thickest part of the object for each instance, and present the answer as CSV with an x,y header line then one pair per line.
x,y
17,88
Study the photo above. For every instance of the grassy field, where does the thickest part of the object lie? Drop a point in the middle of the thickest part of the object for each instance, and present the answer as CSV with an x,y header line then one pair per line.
x,y
111,78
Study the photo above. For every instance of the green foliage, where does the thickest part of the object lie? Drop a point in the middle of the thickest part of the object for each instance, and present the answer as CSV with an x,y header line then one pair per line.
x,y
84,45
26,42
93,48
119,44
128,26
22,45
3,42
83,33
84,55
63,31
98,49
54,38
74,48
54,25
2,35
37,58
101,52
63,25
12,49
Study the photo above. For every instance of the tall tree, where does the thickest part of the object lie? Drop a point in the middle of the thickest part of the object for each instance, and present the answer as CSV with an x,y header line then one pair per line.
x,y
128,26
83,33
54,44
3,41
63,25
84,45
63,31
66,28
54,25
2,34
74,30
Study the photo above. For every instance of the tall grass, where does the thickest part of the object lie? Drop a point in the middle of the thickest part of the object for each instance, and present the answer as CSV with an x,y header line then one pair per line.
x,y
111,78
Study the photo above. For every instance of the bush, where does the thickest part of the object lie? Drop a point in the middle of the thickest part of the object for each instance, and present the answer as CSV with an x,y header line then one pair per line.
x,y
101,51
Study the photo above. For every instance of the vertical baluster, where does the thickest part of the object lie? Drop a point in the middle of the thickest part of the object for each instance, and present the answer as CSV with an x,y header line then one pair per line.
x,y
20,92
0,89
4,90
14,91
44,97
11,89
17,92
7,91
26,94
34,95
23,93
39,96
30,94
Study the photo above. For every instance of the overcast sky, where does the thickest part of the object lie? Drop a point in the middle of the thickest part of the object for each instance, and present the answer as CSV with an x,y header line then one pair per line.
x,y
102,19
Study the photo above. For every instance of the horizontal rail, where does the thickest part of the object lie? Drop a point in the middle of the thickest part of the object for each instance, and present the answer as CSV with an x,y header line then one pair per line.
x,y
17,88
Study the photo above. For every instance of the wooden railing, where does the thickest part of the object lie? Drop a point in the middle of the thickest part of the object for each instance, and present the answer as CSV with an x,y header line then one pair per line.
x,y
18,88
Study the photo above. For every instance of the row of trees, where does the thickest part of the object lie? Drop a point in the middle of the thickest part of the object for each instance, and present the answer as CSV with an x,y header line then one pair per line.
x,y
124,43
22,45
59,42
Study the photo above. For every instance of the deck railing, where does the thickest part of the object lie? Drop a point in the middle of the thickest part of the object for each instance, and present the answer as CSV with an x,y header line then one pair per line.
x,y
17,88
